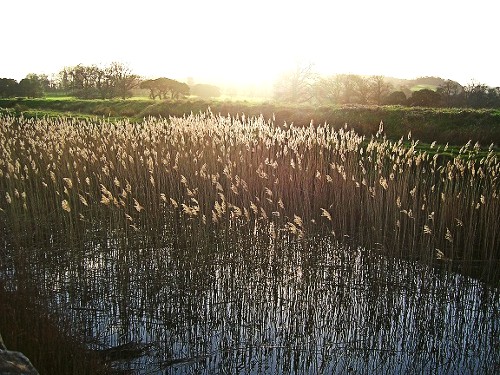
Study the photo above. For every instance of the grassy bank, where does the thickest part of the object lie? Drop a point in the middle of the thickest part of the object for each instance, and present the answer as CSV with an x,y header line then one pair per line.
x,y
446,125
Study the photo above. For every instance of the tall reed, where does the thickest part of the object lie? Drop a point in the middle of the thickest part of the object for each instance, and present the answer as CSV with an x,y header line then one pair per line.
x,y
207,173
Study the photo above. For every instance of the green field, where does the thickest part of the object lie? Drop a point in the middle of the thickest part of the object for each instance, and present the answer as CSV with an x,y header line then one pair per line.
x,y
443,125
424,86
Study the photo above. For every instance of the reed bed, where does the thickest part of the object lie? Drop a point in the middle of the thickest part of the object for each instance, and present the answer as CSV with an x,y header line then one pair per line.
x,y
233,242
64,177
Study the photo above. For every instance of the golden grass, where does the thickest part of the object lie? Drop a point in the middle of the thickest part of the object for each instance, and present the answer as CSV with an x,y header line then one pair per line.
x,y
214,172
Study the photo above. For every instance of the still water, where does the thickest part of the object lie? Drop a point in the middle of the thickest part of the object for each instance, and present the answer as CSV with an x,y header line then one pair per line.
x,y
242,304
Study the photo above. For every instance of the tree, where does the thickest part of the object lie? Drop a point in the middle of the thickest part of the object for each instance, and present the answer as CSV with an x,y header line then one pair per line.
x,y
205,91
328,90
450,92
120,80
64,79
351,89
88,82
178,89
295,87
425,98
493,99
396,98
83,81
164,87
170,87
45,82
348,82
379,89
348,88
31,86
8,87
476,95
150,84
362,89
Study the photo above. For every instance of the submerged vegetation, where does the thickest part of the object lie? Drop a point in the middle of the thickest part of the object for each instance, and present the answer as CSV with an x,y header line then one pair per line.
x,y
183,217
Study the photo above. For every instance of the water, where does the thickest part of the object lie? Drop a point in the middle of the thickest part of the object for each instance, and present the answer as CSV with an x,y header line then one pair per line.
x,y
246,305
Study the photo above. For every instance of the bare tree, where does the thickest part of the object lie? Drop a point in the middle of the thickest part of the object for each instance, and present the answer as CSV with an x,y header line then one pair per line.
x,y
343,89
451,93
328,90
379,89
348,84
362,89
295,87
121,79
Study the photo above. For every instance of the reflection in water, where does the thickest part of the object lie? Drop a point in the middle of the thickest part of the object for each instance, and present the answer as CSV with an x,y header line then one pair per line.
x,y
241,305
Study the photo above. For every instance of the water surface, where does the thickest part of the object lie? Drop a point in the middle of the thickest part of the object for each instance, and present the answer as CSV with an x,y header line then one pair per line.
x,y
242,304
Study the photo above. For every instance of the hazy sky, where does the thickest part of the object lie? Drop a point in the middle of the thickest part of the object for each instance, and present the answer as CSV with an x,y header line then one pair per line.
x,y
252,41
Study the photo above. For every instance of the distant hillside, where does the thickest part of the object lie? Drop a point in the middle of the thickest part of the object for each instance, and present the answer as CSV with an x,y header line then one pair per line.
x,y
410,85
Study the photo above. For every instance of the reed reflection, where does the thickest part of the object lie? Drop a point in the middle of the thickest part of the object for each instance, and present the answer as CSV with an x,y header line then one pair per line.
x,y
254,307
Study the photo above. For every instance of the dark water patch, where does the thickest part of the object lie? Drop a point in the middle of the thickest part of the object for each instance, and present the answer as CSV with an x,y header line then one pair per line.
x,y
48,342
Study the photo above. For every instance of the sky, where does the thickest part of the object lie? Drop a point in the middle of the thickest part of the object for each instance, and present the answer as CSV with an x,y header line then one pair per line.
x,y
254,42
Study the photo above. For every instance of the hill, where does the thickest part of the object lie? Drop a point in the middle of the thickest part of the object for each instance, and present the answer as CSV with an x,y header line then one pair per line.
x,y
410,85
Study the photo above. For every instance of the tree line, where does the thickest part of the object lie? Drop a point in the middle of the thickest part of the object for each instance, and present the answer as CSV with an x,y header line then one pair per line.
x,y
300,86
93,82
86,82
304,86
33,86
